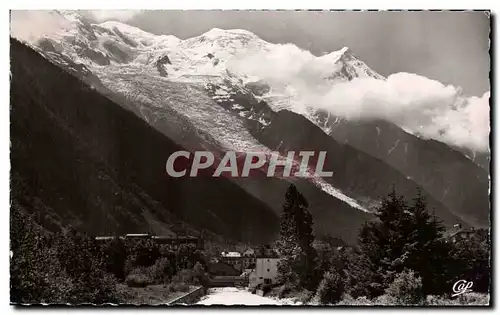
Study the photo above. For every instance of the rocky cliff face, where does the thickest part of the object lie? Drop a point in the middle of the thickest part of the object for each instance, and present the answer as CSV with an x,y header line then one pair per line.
x,y
160,65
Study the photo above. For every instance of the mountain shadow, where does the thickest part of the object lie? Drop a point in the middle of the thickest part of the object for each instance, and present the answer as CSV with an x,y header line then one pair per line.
x,y
79,159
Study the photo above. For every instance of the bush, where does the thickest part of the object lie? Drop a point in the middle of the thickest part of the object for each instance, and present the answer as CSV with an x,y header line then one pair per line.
x,y
37,276
386,300
266,288
284,290
129,265
330,289
406,288
161,271
56,268
304,296
471,298
185,276
178,287
471,260
200,274
143,253
140,271
137,280
349,300
474,298
97,287
115,255
361,278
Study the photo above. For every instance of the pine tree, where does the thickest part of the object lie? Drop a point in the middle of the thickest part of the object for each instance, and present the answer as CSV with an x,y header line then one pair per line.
x,y
384,240
362,276
406,237
428,253
298,263
471,260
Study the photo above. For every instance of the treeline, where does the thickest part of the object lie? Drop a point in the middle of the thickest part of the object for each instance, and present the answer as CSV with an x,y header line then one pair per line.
x,y
70,267
402,257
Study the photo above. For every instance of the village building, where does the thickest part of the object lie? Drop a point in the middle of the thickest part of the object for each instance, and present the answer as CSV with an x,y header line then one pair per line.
x,y
233,259
174,241
266,269
458,233
248,259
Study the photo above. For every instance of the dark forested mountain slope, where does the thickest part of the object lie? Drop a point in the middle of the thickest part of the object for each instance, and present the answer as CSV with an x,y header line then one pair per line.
x,y
354,172
445,173
78,158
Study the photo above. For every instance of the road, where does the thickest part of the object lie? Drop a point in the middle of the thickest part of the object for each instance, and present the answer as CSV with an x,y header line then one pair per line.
x,y
235,296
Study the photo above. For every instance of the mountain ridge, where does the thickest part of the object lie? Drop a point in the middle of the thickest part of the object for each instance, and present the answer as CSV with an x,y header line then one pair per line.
x,y
104,176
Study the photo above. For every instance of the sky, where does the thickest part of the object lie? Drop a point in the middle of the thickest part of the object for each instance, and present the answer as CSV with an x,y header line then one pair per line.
x,y
451,47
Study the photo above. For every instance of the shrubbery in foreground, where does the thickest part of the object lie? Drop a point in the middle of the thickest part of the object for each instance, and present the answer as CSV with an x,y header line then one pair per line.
x,y
72,268
330,289
56,268
406,289
466,299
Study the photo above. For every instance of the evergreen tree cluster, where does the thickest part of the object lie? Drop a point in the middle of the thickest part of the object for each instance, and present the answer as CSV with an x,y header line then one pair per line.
x,y
402,256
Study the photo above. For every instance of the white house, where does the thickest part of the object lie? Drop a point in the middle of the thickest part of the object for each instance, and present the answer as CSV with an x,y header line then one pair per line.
x,y
266,271
230,254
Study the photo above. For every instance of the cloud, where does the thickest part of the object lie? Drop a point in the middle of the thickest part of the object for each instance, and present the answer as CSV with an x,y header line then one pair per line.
x,y
419,105
284,64
30,25
466,126
119,15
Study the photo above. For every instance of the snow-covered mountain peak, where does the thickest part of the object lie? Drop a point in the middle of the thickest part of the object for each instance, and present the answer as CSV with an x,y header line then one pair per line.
x,y
350,66
218,32
211,53
69,15
138,36
126,29
344,50
225,43
336,56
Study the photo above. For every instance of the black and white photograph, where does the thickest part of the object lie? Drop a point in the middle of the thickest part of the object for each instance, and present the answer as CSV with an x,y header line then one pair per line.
x,y
256,158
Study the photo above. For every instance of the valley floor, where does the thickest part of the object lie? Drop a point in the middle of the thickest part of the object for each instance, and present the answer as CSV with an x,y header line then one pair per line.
x,y
235,296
